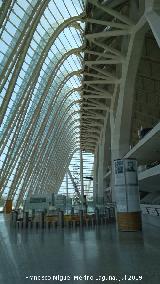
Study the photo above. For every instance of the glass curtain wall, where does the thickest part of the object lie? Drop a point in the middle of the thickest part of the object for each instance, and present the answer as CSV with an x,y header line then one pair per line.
x,y
41,56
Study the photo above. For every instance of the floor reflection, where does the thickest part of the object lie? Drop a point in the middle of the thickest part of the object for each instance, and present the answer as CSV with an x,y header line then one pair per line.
x,y
73,251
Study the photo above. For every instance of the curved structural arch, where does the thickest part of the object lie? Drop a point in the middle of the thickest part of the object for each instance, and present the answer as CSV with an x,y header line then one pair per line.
x,y
40,102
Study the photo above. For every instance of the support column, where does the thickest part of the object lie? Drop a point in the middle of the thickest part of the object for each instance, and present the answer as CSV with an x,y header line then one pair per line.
x,y
61,219
42,218
67,192
153,19
101,174
97,216
95,180
81,217
25,219
124,110
114,154
127,195
14,217
121,121
81,178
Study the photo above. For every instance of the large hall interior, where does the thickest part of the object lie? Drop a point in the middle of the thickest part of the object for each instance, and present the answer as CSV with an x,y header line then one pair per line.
x,y
79,141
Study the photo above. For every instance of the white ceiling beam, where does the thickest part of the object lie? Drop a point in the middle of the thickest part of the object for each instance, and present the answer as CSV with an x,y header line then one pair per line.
x,y
93,141
92,135
113,3
100,116
95,108
107,23
101,92
102,62
92,103
107,47
84,146
104,72
94,75
95,104
89,134
102,54
112,12
107,34
97,97
93,130
106,81
92,124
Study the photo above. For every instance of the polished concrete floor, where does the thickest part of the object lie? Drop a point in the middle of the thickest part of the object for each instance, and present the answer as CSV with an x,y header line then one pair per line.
x,y
97,253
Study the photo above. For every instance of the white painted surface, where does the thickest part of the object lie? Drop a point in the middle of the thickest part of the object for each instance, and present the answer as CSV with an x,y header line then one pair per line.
x,y
126,186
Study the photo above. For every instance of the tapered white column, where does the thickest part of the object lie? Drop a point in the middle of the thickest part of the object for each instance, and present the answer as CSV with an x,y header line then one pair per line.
x,y
101,174
127,195
95,179
67,191
81,177
153,19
